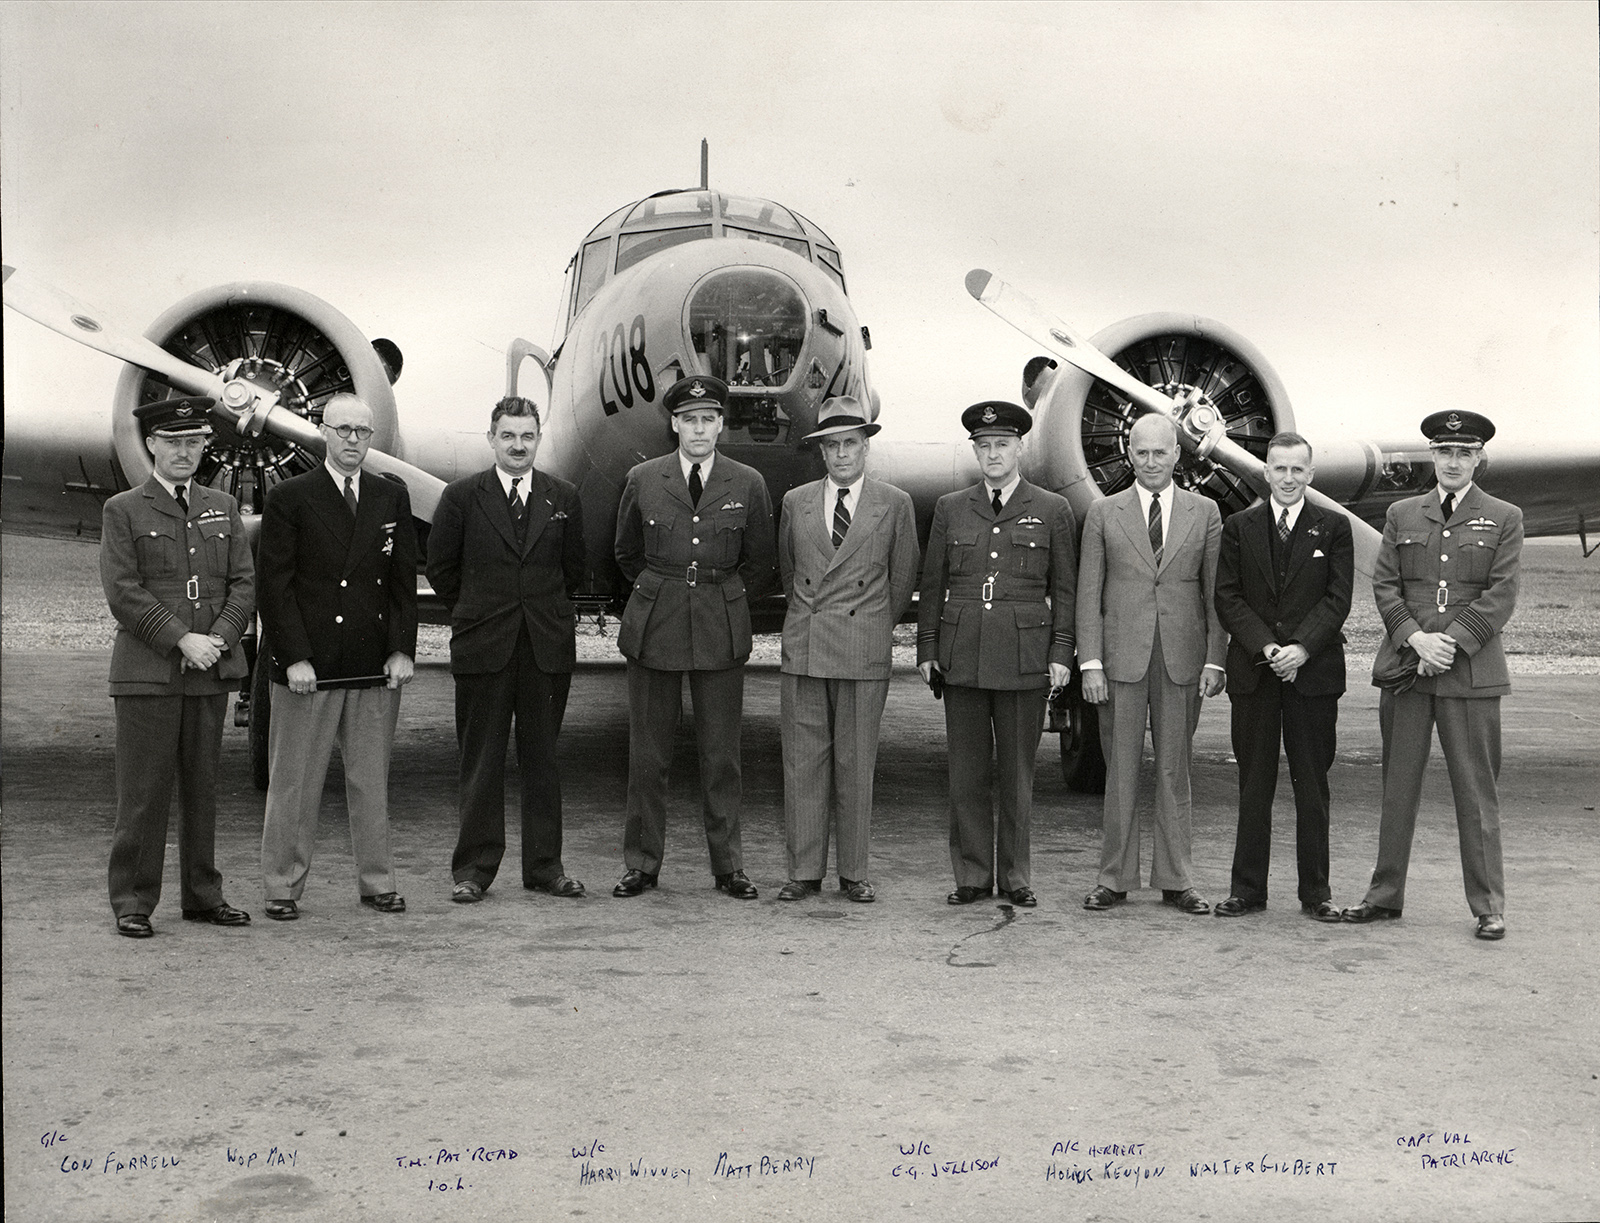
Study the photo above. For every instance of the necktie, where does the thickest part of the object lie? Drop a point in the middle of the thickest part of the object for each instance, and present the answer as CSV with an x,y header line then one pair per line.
x,y
1449,505
1283,526
696,487
182,494
1155,526
995,501
350,495
841,516
519,507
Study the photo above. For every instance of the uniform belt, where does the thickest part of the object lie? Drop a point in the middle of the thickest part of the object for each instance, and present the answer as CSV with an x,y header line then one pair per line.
x,y
1442,593
694,574
187,589
997,592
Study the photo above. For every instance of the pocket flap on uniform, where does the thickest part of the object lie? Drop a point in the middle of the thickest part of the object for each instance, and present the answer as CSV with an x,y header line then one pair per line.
x,y
733,589
1029,537
952,613
648,584
1033,616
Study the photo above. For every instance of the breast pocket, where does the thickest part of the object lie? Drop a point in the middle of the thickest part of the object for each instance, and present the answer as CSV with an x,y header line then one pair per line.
x,y
1413,552
658,538
962,548
158,550
1030,553
215,537
730,537
1473,560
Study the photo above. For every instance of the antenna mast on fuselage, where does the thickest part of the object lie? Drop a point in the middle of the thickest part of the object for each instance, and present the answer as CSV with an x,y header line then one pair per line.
x,y
705,164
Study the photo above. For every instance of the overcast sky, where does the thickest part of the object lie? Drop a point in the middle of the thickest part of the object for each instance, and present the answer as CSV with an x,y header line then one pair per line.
x,y
1397,203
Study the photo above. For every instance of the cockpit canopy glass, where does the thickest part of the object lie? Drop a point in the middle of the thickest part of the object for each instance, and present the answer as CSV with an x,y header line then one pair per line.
x,y
678,206
737,210
631,248
749,325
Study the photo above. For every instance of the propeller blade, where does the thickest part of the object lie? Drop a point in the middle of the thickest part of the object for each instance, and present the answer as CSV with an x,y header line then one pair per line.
x,y
425,489
62,313
1062,340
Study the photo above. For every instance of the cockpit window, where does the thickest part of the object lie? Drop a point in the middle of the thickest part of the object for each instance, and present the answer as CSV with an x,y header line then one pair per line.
x,y
829,261
797,245
749,324
680,205
632,248
737,210
591,273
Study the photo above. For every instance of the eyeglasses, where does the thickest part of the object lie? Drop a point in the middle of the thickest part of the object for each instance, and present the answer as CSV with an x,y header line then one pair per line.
x,y
360,432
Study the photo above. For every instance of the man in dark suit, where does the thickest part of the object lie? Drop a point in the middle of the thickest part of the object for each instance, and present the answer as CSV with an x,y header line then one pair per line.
x,y
995,628
338,565
504,553
1283,591
1153,648
694,536
1446,585
178,576
847,553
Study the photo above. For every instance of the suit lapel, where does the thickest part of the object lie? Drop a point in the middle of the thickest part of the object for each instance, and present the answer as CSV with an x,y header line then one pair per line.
x,y
496,508
716,488
162,500
869,509
1178,526
1303,541
1258,524
327,502
813,527
1137,527
371,506
676,485
540,506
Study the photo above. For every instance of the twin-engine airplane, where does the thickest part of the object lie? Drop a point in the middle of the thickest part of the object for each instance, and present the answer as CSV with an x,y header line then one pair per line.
x,y
753,292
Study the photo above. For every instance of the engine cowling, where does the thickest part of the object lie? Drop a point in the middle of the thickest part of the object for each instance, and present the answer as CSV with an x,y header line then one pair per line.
x,y
1082,425
278,336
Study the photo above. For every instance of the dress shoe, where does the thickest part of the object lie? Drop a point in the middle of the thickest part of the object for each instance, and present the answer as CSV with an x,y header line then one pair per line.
x,y
632,883
858,890
1491,926
965,895
737,884
561,886
1023,898
466,893
283,910
799,889
1364,912
1185,900
386,902
1235,907
135,925
1103,898
1323,910
223,914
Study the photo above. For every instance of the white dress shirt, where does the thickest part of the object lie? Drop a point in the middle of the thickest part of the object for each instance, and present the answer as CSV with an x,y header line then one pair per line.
x,y
1005,493
685,462
830,498
339,478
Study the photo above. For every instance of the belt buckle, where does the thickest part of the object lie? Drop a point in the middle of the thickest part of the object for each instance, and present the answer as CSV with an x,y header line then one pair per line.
x,y
1442,599
692,573
192,590
987,593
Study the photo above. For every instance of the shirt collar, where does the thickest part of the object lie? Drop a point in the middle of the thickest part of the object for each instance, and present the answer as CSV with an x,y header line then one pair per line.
x,y
1145,495
1294,512
1460,493
853,489
172,489
339,478
506,478
685,462
1005,491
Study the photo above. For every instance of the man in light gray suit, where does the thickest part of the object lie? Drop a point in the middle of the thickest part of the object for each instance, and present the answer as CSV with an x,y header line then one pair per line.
x,y
1152,646
847,551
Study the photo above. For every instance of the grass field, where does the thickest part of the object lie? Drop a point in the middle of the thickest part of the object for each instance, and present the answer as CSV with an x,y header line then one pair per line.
x,y
52,601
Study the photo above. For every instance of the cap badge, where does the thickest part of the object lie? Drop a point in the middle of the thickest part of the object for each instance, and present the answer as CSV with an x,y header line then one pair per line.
x,y
1452,422
697,389
184,411
988,416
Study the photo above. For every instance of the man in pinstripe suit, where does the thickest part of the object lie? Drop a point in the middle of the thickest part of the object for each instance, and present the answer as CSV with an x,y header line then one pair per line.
x,y
847,551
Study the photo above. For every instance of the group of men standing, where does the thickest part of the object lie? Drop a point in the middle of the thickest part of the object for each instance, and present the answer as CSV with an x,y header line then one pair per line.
x,y
1168,606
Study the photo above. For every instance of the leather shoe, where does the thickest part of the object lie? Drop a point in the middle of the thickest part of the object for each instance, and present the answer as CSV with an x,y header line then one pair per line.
x,y
283,910
1023,898
1364,912
1185,900
632,883
223,914
737,884
799,889
1103,898
386,902
1323,910
1491,926
562,886
858,890
135,925
1235,907
966,895
466,892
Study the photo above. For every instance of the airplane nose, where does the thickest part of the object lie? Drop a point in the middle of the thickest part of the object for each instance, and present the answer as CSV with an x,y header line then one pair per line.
x,y
749,323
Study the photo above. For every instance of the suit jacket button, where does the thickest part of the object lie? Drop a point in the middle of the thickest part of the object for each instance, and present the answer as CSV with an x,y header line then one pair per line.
x,y
338,619
694,541
342,582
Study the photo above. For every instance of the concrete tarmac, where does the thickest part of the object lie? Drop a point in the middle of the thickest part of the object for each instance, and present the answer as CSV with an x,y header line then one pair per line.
x,y
686,1056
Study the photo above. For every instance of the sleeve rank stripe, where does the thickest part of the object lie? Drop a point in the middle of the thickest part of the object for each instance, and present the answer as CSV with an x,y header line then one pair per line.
x,y
1471,619
230,613
152,622
1396,616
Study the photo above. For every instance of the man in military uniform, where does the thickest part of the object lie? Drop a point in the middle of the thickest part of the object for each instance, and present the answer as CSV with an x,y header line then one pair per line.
x,y
995,625
694,537
178,575
1446,584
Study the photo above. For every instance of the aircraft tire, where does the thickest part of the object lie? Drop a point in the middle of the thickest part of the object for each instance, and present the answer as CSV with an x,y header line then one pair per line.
x,y
1083,767
260,714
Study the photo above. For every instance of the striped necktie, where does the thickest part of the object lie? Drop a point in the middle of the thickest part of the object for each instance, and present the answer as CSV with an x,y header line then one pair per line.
x,y
1283,525
519,507
841,516
1155,526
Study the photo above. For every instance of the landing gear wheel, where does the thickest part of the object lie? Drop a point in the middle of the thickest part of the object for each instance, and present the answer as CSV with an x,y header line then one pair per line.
x,y
1083,767
260,714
